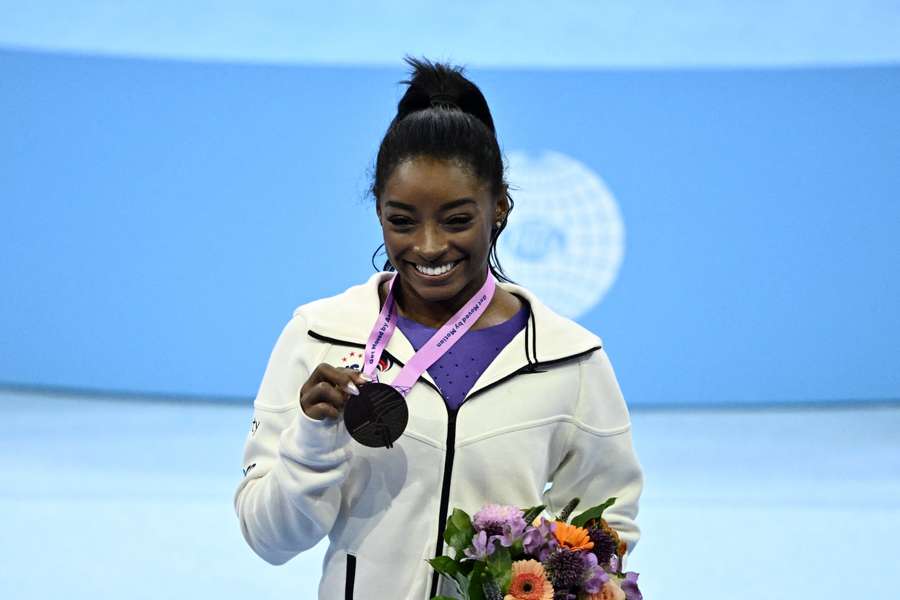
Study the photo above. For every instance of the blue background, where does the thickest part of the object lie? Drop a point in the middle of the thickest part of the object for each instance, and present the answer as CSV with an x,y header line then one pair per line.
x,y
161,219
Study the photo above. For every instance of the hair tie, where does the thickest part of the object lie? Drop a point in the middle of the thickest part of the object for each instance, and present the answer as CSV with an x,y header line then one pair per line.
x,y
443,100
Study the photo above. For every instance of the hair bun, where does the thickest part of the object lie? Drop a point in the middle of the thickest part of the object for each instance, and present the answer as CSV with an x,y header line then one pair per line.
x,y
434,85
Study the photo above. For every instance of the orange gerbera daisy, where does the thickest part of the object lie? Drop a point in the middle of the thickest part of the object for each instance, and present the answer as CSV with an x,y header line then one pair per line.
x,y
571,537
529,582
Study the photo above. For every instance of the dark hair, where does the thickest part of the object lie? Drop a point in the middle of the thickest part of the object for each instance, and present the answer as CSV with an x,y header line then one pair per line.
x,y
443,115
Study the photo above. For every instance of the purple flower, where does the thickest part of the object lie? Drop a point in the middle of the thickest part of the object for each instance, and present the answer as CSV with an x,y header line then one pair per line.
x,y
481,548
594,575
630,587
565,569
503,523
495,515
512,532
532,540
539,541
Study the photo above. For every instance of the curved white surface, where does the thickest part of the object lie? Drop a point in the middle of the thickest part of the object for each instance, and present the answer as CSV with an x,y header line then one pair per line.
x,y
698,33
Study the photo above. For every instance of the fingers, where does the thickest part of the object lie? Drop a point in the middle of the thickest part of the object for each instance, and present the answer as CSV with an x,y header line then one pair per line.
x,y
327,389
323,399
343,378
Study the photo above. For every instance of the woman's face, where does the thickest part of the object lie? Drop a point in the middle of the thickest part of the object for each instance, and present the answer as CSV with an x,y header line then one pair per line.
x,y
436,218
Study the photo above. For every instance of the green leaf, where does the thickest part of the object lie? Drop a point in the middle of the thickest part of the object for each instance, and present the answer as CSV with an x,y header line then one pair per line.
x,y
459,531
444,565
500,567
450,570
459,540
462,583
476,583
592,514
532,513
449,531
567,510
443,598
461,519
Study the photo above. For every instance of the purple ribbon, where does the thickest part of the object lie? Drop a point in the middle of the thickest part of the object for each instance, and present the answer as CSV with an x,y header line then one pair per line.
x,y
443,339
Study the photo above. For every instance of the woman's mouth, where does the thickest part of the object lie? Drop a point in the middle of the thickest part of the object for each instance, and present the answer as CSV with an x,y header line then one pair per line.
x,y
437,271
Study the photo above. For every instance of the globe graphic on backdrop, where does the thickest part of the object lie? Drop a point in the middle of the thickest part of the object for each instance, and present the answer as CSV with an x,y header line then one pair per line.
x,y
565,239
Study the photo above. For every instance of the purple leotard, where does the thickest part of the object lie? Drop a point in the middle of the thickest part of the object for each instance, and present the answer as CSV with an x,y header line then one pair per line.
x,y
456,371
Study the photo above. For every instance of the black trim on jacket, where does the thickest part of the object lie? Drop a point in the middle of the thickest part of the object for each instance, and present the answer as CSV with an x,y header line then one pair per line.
x,y
350,579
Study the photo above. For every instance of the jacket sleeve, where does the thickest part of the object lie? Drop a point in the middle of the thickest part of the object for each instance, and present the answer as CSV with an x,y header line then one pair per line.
x,y
294,466
600,461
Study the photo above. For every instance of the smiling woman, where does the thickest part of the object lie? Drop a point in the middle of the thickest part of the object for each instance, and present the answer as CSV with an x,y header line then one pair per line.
x,y
487,395
438,221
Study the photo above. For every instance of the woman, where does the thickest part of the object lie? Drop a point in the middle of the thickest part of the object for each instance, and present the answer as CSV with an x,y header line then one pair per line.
x,y
524,399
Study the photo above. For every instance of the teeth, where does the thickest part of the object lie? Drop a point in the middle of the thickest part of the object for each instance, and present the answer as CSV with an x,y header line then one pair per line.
x,y
435,270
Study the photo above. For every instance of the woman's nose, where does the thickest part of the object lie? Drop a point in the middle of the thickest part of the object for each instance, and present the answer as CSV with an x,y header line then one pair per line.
x,y
431,243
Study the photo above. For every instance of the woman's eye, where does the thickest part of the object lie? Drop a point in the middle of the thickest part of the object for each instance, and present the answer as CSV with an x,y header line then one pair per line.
x,y
400,221
459,220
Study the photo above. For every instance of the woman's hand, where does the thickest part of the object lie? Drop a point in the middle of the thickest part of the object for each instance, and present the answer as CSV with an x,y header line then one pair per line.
x,y
324,393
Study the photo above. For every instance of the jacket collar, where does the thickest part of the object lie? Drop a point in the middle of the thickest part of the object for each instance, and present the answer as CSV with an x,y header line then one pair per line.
x,y
548,337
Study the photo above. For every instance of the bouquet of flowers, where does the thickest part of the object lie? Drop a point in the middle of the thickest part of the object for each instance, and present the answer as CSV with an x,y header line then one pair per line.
x,y
507,553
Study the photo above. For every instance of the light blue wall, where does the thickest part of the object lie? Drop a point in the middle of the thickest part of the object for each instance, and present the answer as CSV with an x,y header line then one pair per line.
x,y
160,220
525,33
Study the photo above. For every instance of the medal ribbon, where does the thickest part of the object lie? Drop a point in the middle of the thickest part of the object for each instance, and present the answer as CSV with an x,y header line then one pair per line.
x,y
443,339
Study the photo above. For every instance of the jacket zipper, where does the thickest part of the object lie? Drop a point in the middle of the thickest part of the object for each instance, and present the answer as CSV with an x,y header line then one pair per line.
x,y
350,577
531,367
445,491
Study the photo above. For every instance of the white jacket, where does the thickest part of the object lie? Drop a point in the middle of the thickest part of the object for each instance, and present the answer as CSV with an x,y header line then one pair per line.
x,y
547,409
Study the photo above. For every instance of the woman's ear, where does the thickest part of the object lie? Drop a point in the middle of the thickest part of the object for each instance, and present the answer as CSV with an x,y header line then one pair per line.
x,y
502,205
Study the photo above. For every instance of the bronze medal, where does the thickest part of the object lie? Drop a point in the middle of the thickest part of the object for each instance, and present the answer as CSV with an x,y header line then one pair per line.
x,y
377,416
